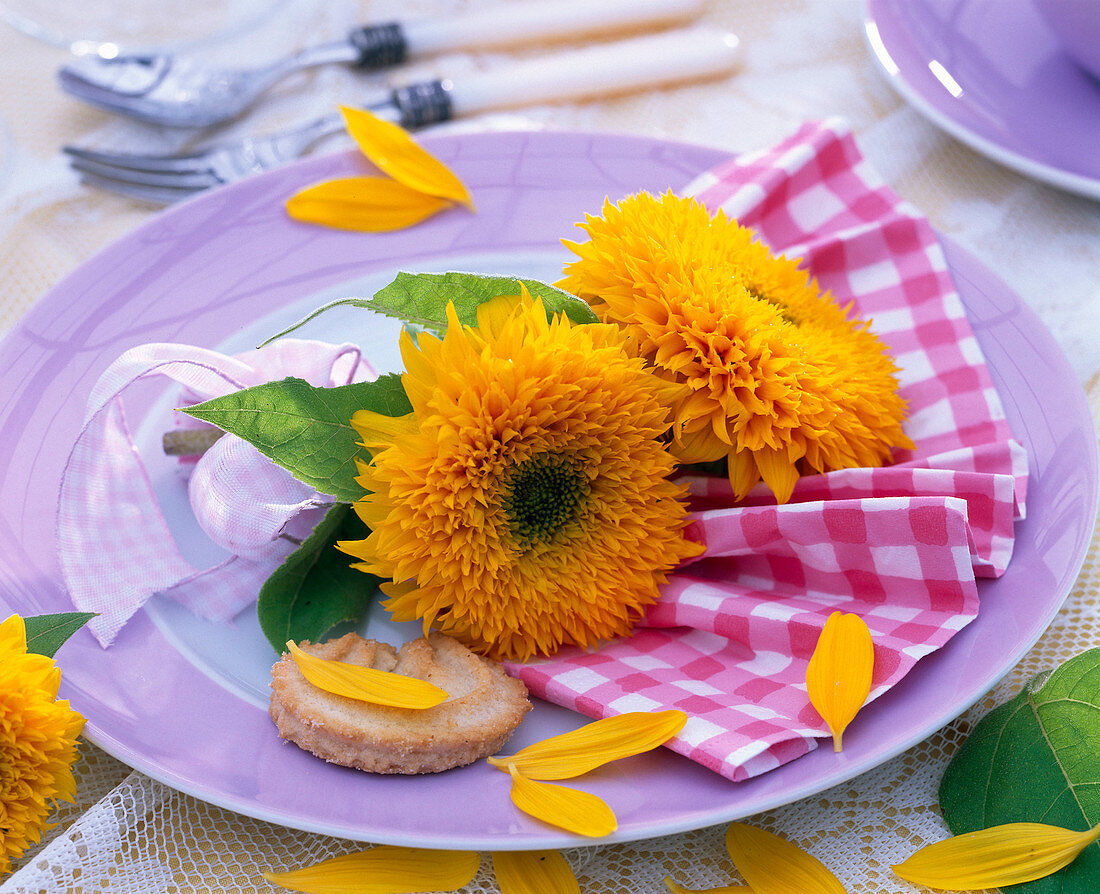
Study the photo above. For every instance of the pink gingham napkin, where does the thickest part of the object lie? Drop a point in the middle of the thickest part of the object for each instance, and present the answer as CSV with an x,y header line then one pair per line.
x,y
900,546
114,545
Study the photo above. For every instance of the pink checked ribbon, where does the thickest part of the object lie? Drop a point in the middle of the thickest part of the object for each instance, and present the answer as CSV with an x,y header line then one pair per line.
x,y
115,547
730,638
901,546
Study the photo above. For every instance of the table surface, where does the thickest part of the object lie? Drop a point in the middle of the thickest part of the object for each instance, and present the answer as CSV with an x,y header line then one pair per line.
x,y
802,59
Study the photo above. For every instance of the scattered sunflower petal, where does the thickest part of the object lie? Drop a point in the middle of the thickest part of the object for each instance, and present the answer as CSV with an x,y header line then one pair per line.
x,y
676,888
567,808
370,204
383,870
533,872
838,677
366,684
392,149
772,865
1009,854
594,744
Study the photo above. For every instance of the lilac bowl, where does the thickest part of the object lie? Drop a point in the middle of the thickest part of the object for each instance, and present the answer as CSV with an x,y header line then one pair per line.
x,y
1076,24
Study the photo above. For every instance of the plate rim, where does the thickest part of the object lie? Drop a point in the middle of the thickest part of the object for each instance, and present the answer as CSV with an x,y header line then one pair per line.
x,y
554,839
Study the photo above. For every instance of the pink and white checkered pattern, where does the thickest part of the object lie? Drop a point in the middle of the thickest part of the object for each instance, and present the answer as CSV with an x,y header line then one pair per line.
x,y
114,545
730,638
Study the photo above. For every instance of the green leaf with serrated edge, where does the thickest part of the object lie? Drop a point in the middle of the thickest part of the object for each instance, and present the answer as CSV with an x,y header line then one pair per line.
x,y
1034,759
47,633
316,588
420,299
305,429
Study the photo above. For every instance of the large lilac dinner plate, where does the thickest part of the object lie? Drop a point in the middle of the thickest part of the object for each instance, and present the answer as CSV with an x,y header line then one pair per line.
x,y
183,701
992,74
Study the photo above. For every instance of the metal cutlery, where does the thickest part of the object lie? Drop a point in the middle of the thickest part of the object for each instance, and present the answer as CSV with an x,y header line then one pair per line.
x,y
180,92
656,60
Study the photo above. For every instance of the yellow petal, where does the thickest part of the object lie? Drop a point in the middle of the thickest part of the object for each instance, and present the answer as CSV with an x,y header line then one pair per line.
x,y
383,870
778,472
370,204
13,635
838,677
533,872
991,858
366,684
676,888
494,314
392,149
594,744
567,808
772,865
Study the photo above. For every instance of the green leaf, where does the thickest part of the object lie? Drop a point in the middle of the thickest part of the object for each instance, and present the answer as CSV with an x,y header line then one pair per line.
x,y
46,633
305,429
1034,759
420,299
316,588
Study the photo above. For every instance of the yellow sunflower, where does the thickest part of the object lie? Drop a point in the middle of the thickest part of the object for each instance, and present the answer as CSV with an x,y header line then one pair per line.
x,y
781,382
37,742
524,504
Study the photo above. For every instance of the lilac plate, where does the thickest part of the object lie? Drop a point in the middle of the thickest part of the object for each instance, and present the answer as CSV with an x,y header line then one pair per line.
x,y
205,272
992,74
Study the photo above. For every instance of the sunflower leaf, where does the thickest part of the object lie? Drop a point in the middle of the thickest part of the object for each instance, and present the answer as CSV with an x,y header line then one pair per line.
x,y
47,633
305,429
316,588
1032,759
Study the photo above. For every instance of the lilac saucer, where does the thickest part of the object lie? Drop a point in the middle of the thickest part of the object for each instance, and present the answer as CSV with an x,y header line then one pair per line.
x,y
993,75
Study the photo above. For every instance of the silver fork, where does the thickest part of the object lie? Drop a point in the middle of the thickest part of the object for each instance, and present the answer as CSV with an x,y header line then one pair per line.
x,y
180,92
164,179
657,60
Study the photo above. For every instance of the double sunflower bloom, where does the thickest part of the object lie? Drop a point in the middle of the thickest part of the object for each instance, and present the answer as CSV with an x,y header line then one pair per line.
x,y
527,502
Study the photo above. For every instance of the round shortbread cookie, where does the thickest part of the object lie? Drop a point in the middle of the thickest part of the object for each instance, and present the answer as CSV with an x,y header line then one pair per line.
x,y
483,708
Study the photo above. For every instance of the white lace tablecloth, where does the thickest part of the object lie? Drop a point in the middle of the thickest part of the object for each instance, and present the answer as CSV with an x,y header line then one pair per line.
x,y
802,59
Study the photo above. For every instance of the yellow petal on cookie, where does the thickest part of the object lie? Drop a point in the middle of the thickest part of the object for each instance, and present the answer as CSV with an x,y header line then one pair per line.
x,y
594,744
567,808
838,677
366,684
383,870
533,872
676,888
369,204
772,865
1009,854
394,151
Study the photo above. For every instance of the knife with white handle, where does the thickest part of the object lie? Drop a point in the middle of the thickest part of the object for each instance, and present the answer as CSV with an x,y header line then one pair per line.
x,y
659,60
537,21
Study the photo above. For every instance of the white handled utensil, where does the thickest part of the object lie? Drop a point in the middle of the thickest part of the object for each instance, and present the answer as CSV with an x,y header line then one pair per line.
x,y
641,63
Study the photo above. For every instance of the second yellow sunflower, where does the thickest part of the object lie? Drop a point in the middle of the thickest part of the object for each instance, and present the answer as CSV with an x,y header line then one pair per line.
x,y
779,380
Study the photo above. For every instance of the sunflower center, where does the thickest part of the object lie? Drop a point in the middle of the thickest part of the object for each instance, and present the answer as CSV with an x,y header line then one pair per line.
x,y
781,309
541,496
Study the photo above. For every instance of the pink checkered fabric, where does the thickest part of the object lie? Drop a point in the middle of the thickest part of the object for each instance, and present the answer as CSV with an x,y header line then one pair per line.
x,y
114,545
901,546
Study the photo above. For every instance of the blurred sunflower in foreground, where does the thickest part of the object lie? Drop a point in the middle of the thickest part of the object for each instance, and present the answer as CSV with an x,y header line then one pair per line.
x,y
779,381
524,504
37,742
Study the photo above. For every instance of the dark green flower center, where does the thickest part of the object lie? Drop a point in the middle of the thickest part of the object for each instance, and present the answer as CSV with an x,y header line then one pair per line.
x,y
784,311
541,496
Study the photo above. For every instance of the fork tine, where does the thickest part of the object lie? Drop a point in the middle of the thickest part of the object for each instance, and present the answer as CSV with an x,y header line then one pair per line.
x,y
155,195
190,163
138,177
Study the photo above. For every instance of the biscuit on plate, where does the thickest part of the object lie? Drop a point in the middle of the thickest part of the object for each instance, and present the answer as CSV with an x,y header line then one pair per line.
x,y
484,707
